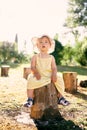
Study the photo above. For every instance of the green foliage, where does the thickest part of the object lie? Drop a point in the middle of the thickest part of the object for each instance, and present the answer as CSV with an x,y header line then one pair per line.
x,y
21,58
77,13
81,52
8,54
77,17
5,52
58,52
68,55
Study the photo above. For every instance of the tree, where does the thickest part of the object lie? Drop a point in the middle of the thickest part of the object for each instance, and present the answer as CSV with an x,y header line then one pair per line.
x,y
84,47
8,54
81,52
16,38
77,13
76,20
68,55
16,43
58,52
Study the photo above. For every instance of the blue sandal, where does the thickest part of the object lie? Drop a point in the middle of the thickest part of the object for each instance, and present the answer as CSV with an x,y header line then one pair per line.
x,y
63,101
29,103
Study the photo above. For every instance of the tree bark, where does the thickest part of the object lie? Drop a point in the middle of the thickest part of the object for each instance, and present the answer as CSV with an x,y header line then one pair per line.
x,y
70,81
4,70
45,103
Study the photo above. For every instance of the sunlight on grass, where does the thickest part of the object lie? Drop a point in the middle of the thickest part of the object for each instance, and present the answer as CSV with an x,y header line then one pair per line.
x,y
13,96
79,70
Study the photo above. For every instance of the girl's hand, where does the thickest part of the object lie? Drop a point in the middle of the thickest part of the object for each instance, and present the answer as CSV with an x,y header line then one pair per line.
x,y
54,78
37,75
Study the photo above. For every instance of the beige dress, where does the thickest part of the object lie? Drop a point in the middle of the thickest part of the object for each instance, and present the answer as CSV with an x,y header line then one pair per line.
x,y
43,65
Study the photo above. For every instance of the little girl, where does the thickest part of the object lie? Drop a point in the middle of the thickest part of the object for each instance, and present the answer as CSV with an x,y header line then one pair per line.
x,y
44,70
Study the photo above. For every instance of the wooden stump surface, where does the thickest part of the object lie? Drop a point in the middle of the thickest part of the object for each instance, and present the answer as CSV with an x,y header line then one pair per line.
x,y
70,81
5,70
45,103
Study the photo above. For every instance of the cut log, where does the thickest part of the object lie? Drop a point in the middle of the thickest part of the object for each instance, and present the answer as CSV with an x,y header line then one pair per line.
x,y
4,70
26,72
70,81
45,103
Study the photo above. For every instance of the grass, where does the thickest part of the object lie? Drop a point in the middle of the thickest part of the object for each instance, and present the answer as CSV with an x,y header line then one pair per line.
x,y
78,69
13,95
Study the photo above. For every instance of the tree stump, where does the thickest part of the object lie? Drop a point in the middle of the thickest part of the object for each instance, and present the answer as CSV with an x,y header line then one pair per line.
x,y
26,72
4,70
45,103
70,81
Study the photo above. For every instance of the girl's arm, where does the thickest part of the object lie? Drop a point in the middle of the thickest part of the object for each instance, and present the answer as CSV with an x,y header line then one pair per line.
x,y
54,70
33,68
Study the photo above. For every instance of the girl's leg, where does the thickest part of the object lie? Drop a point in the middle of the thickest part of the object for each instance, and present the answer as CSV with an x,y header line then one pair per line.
x,y
62,100
30,95
60,88
59,95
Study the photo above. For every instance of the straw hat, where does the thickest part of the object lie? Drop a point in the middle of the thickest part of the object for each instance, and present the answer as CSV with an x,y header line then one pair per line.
x,y
35,41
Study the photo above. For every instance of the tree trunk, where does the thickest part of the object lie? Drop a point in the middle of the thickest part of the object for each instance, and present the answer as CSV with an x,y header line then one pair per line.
x,y
4,70
70,80
45,103
26,72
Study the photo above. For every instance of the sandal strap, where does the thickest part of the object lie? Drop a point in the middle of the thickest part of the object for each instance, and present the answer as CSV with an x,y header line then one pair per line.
x,y
63,101
62,98
30,99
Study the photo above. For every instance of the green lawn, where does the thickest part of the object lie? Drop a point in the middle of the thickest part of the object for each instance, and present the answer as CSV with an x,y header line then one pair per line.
x,y
78,69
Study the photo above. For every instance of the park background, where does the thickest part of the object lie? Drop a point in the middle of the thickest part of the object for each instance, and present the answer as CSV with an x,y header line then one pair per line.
x,y
64,21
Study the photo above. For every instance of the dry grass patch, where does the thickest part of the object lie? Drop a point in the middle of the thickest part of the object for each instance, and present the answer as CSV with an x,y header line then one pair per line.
x,y
13,95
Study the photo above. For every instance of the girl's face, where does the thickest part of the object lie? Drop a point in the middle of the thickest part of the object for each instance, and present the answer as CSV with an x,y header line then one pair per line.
x,y
44,44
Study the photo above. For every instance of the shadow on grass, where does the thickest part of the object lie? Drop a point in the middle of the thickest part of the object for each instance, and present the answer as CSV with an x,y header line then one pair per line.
x,y
56,124
53,120
78,69
81,95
